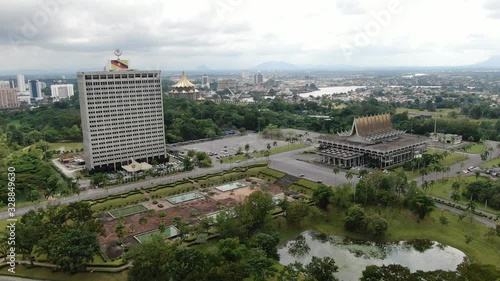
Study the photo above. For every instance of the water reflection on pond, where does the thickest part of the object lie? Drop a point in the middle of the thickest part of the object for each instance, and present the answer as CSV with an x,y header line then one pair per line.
x,y
352,256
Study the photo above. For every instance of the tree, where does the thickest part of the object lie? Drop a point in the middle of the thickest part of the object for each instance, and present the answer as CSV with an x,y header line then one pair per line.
x,y
151,212
349,175
120,231
275,143
268,146
247,148
322,195
376,225
422,205
268,243
162,216
296,212
143,221
336,170
319,269
355,219
72,247
150,260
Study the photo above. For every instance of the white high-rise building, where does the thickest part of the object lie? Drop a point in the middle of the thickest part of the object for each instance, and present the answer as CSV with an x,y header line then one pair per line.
x,y
122,117
21,83
245,75
61,91
204,81
4,84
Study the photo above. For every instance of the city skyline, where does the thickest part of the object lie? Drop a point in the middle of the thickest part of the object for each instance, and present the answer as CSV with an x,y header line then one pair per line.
x,y
230,34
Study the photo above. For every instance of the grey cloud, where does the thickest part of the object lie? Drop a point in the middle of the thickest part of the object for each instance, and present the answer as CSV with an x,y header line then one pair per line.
x,y
350,7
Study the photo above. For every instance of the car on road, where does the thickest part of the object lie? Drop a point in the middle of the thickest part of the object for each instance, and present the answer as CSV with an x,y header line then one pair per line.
x,y
465,171
301,176
319,181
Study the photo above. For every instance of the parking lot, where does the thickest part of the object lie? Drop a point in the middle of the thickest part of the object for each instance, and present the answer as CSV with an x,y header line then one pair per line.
x,y
229,145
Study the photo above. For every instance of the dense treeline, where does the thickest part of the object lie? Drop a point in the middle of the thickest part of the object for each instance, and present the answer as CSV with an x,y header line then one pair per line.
x,y
66,235
189,120
487,192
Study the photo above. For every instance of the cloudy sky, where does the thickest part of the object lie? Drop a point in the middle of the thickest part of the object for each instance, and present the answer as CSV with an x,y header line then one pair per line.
x,y
238,34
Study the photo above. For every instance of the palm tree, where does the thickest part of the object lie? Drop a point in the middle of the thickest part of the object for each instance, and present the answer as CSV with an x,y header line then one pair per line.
x,y
336,170
455,196
471,206
349,175
423,172
162,227
247,147
143,221
151,212
162,216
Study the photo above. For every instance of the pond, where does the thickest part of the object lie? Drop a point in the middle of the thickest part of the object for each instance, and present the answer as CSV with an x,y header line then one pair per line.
x,y
352,256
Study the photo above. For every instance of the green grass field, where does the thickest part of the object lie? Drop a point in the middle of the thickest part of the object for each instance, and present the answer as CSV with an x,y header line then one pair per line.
x,y
491,163
439,113
477,148
65,146
452,159
169,231
128,211
116,203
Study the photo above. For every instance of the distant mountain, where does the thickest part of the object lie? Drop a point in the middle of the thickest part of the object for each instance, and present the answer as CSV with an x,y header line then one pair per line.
x,y
275,65
493,62
203,67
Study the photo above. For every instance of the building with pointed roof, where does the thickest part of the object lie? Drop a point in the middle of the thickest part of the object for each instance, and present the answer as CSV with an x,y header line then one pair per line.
x,y
371,141
184,89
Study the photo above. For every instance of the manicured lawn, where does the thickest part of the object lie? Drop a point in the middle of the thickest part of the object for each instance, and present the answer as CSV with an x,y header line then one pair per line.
x,y
65,146
477,148
115,203
127,211
272,151
452,158
491,163
47,274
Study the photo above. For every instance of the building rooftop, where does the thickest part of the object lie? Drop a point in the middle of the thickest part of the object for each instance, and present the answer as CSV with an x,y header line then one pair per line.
x,y
183,82
383,145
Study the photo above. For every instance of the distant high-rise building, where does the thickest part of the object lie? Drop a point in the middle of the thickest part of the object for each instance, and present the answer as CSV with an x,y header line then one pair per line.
x,y
35,89
204,81
12,84
224,84
61,91
21,83
4,85
257,78
245,75
122,117
8,98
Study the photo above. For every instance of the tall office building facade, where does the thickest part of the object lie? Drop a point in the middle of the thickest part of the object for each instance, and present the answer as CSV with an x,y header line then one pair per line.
x,y
35,88
122,117
245,75
8,98
21,83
